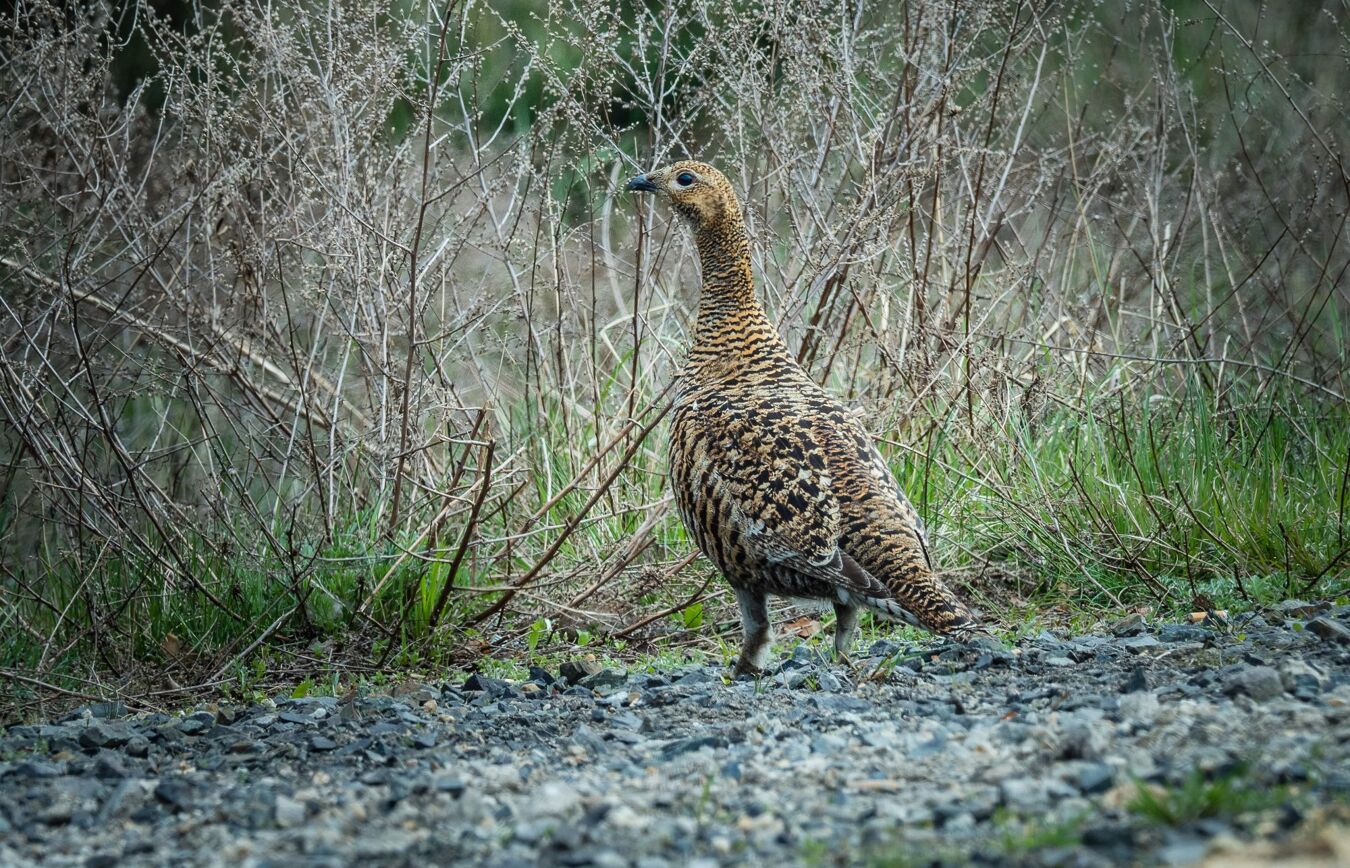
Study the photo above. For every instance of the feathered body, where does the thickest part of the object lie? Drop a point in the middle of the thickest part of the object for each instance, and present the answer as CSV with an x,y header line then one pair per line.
x,y
779,485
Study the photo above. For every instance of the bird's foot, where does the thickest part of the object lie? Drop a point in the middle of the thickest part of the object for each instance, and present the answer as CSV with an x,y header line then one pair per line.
x,y
744,667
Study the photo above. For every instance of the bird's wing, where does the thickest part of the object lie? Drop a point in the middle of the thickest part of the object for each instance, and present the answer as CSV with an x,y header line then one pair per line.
x,y
883,479
772,483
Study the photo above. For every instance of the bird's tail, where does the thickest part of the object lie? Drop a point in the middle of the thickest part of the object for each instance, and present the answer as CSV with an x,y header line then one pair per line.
x,y
912,592
936,610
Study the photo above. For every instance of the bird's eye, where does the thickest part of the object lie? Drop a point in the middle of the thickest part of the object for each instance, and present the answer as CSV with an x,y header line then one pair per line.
x,y
684,179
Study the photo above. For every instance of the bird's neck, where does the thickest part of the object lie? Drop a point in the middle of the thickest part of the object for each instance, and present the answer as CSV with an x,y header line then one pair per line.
x,y
730,318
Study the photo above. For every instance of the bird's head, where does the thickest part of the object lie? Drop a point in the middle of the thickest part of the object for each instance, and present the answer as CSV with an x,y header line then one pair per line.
x,y
697,191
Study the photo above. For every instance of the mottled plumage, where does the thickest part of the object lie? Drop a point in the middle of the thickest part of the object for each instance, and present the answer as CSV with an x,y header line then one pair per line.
x,y
779,485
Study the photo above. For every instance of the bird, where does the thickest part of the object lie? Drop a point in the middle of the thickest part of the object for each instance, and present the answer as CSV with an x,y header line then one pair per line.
x,y
778,484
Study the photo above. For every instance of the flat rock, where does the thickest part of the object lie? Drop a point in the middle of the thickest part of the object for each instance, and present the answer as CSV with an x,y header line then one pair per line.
x,y
1299,608
105,735
288,812
1259,682
605,679
574,671
479,683
175,793
1329,630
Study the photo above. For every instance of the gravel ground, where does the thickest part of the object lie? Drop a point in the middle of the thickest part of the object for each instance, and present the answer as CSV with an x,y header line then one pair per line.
x,y
1029,755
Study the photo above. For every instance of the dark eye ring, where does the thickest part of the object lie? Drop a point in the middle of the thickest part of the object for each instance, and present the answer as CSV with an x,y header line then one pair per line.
x,y
684,179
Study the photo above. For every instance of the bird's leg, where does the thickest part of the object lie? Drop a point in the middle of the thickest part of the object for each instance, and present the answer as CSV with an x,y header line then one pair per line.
x,y
845,623
755,624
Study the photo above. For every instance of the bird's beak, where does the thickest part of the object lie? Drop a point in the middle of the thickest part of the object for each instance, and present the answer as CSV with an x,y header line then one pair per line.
x,y
642,184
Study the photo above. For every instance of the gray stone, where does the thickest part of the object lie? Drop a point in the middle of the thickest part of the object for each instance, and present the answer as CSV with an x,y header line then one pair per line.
x,y
57,812
1183,633
922,748
109,766
124,798
685,745
957,824
804,653
105,735
1050,641
627,720
38,770
1300,679
838,703
829,743
1329,630
1138,709
608,859
477,682
1081,737
986,644
1299,608
1140,644
382,846
1183,850
1259,682
552,799
585,737
981,801
1026,795
1095,778
605,679
1137,681
1109,836
452,784
300,718
288,812
175,793
883,648
573,671
1129,625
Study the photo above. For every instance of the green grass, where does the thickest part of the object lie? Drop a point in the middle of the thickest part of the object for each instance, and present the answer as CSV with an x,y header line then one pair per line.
x,y
1155,497
897,853
1196,798
1134,499
1016,838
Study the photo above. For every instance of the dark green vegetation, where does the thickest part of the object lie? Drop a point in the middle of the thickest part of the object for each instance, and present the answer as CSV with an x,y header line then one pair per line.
x,y
327,347
1197,798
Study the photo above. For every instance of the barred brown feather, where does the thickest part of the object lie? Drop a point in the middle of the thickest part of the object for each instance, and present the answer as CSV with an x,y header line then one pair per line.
x,y
777,483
